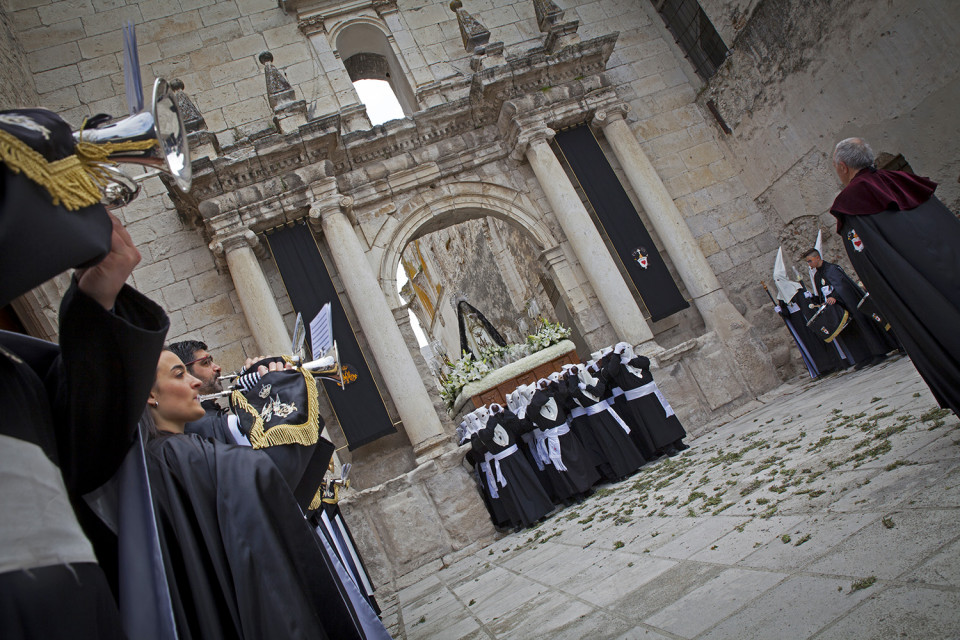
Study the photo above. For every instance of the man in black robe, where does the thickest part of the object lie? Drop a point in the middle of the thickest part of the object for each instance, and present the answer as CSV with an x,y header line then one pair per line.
x,y
64,432
215,423
862,341
819,357
903,243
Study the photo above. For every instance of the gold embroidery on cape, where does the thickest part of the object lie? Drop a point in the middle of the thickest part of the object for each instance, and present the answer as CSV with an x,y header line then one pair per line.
x,y
305,434
67,180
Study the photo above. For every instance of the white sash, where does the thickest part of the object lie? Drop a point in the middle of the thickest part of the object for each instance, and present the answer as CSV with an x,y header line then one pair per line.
x,y
576,412
548,441
647,389
506,453
491,483
531,441
604,405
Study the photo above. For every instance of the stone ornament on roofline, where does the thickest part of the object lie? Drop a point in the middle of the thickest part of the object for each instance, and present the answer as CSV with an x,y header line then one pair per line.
x,y
473,33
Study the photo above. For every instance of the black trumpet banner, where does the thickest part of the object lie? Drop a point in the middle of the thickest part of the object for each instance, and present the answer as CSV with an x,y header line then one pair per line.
x,y
359,406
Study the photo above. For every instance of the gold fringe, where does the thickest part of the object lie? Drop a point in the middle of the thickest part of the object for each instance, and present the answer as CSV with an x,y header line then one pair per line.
x,y
305,434
68,180
94,156
317,500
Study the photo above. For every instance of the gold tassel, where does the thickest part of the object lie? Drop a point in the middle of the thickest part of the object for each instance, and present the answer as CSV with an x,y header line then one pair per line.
x,y
317,500
67,180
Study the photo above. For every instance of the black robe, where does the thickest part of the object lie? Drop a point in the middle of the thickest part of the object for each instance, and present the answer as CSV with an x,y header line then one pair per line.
x,y
240,559
214,424
614,453
819,357
910,263
75,407
581,473
665,430
498,513
523,499
862,341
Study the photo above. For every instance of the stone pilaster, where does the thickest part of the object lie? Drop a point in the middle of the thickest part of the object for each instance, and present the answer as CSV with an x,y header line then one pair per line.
x,y
715,308
399,371
256,297
595,260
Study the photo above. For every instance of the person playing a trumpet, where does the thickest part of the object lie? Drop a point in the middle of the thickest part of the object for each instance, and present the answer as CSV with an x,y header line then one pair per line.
x,y
238,557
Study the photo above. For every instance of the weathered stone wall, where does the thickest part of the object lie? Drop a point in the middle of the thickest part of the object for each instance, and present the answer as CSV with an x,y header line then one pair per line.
x,y
803,76
433,512
16,90
75,55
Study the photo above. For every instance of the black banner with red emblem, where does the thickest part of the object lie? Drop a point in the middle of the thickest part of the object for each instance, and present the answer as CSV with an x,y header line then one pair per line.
x,y
358,406
621,223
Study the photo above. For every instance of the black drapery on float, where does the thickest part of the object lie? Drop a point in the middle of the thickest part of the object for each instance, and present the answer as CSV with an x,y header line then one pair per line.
x,y
359,406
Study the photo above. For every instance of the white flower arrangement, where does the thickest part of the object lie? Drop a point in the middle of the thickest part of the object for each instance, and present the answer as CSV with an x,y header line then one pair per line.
x,y
548,333
467,369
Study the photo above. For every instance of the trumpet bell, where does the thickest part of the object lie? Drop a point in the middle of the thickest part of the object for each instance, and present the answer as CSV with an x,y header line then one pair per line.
x,y
162,123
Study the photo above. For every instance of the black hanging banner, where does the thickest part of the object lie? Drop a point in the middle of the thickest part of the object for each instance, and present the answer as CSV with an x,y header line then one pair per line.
x,y
359,407
620,221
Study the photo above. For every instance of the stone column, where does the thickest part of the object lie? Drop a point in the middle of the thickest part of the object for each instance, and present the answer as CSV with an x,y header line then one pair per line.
x,y
595,260
256,298
718,312
400,374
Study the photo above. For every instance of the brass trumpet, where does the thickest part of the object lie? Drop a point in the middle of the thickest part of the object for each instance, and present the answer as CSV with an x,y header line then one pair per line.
x,y
326,368
155,137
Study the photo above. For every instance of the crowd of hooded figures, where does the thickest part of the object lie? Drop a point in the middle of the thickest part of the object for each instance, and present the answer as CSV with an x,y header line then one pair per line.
x,y
557,438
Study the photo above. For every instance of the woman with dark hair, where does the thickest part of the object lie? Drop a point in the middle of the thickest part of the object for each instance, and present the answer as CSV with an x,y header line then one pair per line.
x,y
239,559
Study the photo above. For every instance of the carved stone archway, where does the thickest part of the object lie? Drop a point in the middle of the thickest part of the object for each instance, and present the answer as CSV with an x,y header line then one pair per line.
x,y
452,204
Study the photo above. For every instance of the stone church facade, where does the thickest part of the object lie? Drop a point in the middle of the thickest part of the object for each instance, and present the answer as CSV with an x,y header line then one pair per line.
x,y
724,158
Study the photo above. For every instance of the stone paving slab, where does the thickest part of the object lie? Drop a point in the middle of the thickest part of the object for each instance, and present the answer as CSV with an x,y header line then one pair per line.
x,y
830,509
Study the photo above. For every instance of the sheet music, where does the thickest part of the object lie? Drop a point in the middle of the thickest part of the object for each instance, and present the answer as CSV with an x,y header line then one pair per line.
x,y
321,332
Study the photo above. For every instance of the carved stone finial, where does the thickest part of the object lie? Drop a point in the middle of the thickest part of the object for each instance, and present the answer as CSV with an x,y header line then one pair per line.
x,y
548,13
192,118
550,21
279,92
473,33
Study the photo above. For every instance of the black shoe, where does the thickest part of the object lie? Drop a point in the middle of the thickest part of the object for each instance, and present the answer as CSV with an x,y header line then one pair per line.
x,y
671,452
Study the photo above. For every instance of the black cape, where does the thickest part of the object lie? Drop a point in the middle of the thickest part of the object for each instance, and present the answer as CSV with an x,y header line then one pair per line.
x,y
85,427
240,559
862,341
910,263
819,357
